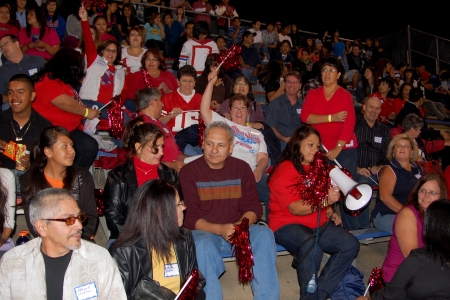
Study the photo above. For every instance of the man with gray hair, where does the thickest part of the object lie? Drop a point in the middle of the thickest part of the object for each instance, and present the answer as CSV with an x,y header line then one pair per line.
x,y
149,105
59,264
220,191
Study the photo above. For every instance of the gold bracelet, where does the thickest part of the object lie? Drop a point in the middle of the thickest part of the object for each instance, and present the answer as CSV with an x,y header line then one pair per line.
x,y
86,112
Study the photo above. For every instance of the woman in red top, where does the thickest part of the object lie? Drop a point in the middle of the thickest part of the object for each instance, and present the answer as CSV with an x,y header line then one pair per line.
x,y
153,74
102,27
295,222
5,22
329,109
58,101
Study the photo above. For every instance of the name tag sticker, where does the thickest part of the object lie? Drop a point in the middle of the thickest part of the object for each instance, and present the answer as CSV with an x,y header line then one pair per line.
x,y
378,139
171,270
87,291
32,71
299,110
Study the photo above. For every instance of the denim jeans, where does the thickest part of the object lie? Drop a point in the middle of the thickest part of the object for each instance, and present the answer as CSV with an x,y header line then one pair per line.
x,y
335,240
263,192
248,73
384,222
86,148
210,247
348,159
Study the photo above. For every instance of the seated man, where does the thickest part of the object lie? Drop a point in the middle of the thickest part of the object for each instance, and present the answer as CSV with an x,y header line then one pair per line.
x,y
149,104
59,264
235,32
219,191
283,113
250,59
373,139
20,123
17,63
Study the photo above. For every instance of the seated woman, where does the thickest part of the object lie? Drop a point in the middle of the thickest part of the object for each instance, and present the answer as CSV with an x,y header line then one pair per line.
x,y
105,75
6,26
385,93
425,273
152,238
132,55
153,73
222,87
403,96
101,25
367,85
52,165
271,78
249,144
54,18
37,39
155,33
294,222
127,21
395,181
60,103
7,209
144,143
408,223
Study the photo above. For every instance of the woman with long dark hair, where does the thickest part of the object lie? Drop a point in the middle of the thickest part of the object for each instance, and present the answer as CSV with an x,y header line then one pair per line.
x,y
425,273
271,78
52,165
7,209
60,103
127,21
153,236
54,19
144,143
368,84
294,221
37,39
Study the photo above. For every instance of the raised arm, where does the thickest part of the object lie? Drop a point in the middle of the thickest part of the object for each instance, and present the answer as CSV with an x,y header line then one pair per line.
x,y
205,105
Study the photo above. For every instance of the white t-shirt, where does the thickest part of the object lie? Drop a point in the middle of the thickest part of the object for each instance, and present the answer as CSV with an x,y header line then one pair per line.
x,y
284,37
258,36
247,141
134,62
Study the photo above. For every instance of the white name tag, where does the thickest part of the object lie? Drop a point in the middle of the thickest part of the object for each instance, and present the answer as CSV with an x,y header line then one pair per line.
x,y
378,139
87,291
299,110
171,270
349,144
418,176
32,71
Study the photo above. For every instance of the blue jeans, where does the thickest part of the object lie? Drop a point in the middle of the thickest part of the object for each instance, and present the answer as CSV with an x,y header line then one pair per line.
x,y
210,248
248,73
347,159
384,222
335,240
86,148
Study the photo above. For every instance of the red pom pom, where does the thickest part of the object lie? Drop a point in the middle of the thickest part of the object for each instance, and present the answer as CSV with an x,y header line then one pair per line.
x,y
97,3
243,251
201,131
230,59
98,194
191,290
376,281
115,118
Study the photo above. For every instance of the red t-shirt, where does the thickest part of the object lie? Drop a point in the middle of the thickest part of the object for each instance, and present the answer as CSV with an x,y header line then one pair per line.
x,y
135,82
50,37
6,28
171,150
331,133
106,36
398,105
191,110
283,192
47,90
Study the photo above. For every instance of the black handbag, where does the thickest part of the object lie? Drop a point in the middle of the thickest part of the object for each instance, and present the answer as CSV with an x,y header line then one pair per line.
x,y
150,289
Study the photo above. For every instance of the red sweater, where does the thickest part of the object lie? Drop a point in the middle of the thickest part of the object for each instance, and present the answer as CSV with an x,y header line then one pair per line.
x,y
331,133
135,82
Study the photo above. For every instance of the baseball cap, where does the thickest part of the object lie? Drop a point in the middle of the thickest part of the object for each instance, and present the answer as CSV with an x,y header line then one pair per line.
x,y
424,75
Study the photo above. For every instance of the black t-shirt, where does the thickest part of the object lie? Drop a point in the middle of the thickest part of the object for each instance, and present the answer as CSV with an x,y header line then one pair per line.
x,y
55,269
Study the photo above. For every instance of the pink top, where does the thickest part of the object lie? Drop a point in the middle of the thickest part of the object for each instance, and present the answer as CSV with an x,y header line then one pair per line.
x,y
50,37
394,256
6,28
331,133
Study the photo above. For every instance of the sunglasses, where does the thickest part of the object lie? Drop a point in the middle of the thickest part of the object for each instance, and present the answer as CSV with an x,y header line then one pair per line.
x,y
71,220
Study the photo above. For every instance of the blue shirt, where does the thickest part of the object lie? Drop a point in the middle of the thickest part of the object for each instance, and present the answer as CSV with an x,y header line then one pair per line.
x,y
173,32
284,116
153,32
250,56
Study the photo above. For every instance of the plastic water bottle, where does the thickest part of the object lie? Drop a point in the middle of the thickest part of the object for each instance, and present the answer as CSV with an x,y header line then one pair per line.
x,y
23,237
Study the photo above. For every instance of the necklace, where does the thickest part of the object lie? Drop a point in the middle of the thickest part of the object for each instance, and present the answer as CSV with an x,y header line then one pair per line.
x,y
145,172
18,139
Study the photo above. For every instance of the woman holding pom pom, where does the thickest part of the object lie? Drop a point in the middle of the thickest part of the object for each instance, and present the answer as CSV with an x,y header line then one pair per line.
x,y
296,220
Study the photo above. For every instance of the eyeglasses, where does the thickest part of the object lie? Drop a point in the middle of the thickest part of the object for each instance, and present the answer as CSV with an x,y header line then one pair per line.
x,y
71,220
112,51
292,82
181,204
152,59
239,108
241,83
425,192
402,146
330,70
5,44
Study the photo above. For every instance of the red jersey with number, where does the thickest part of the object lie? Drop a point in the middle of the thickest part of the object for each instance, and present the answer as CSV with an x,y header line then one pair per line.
x,y
191,110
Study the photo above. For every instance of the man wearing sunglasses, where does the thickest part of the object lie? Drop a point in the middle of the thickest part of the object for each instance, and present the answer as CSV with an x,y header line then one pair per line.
x,y
59,264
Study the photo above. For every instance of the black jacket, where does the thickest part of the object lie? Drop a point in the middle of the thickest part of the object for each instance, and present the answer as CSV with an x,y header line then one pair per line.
x,y
134,262
82,190
120,187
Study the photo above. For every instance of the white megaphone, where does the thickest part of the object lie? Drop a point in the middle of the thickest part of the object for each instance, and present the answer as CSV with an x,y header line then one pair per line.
x,y
357,195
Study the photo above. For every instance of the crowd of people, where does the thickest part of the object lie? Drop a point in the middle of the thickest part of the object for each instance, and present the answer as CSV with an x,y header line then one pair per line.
x,y
202,154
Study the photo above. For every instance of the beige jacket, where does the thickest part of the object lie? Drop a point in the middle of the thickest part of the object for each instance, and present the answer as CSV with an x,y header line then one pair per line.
x,y
22,273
